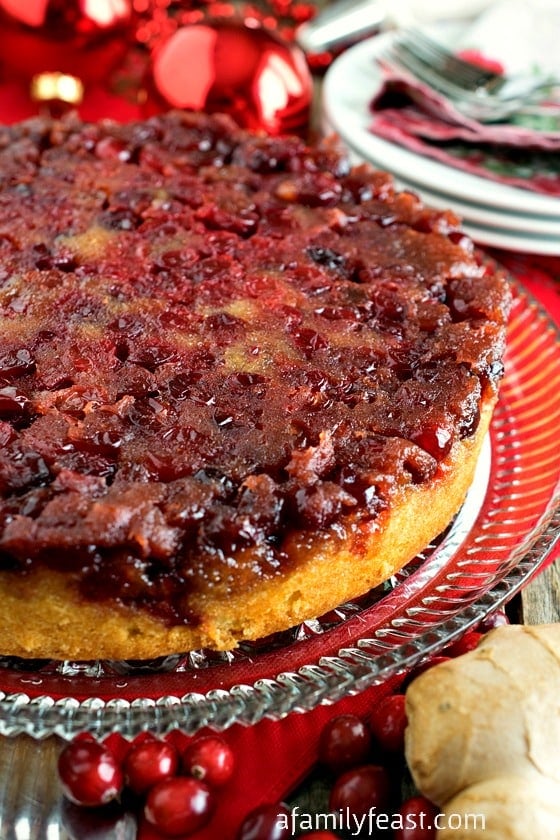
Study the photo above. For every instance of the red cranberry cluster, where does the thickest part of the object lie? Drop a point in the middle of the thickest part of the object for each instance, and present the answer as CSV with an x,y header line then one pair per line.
x,y
366,761
177,790
347,748
362,756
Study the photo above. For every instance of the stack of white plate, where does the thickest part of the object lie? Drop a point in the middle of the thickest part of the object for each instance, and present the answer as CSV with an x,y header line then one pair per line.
x,y
493,213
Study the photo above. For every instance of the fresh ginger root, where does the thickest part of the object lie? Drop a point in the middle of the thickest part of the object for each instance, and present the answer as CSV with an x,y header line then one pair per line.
x,y
483,736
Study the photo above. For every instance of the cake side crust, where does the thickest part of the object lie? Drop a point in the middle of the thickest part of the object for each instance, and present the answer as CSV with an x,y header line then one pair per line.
x,y
44,615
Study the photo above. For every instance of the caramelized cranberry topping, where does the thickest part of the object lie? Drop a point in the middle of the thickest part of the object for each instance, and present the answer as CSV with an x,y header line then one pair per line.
x,y
210,338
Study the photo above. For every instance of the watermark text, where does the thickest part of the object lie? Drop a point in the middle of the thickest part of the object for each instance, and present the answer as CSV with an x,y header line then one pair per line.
x,y
356,825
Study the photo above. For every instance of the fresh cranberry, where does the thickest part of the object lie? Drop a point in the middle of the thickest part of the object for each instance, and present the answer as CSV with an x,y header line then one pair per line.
x,y
345,742
87,736
360,789
496,619
465,644
89,773
388,722
179,806
210,759
417,820
148,763
267,822
424,666
118,745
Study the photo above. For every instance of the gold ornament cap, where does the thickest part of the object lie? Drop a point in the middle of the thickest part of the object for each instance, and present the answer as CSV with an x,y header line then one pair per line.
x,y
63,87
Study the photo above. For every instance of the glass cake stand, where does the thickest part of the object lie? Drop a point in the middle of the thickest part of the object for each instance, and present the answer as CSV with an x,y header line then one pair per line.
x,y
504,533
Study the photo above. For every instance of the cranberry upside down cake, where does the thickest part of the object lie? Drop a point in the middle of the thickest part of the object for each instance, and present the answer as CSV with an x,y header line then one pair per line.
x,y
240,383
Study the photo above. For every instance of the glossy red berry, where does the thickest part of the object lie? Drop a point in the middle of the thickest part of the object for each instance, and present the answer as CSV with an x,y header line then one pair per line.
x,y
210,759
465,644
85,736
388,722
360,789
148,763
267,822
495,619
417,816
179,806
90,775
345,742
424,666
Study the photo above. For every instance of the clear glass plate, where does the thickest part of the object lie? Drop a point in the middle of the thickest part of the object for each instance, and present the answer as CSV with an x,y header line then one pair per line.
x,y
505,531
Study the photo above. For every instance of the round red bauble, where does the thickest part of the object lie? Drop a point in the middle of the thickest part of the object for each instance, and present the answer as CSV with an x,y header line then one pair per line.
x,y
75,37
234,66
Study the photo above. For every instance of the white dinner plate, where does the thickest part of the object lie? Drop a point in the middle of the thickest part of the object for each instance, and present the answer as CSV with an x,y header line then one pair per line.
x,y
349,86
512,241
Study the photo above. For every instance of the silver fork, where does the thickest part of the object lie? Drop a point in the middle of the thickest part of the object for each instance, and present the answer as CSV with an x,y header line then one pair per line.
x,y
463,73
478,93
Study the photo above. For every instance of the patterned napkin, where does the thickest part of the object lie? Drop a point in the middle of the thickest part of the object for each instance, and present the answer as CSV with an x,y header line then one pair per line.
x,y
523,152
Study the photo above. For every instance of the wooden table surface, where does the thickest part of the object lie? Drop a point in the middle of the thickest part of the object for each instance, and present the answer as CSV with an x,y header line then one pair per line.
x,y
539,603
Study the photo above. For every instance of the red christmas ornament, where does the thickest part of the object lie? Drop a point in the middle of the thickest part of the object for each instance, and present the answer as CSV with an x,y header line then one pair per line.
x,y
237,67
81,38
